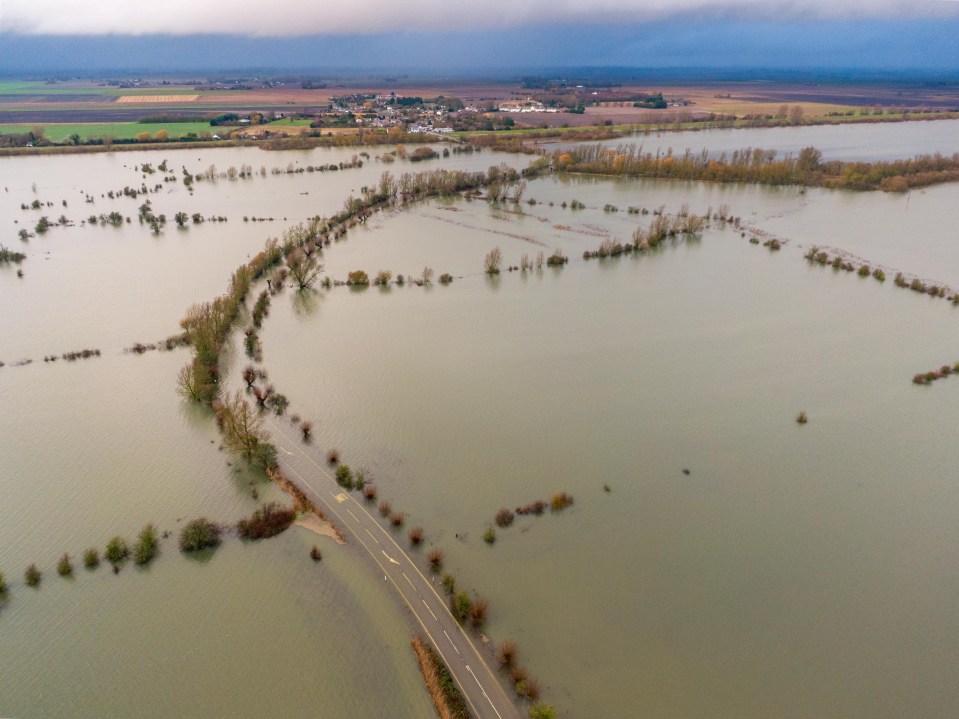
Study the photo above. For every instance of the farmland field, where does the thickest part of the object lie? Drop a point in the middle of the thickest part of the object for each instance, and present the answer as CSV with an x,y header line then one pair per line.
x,y
57,132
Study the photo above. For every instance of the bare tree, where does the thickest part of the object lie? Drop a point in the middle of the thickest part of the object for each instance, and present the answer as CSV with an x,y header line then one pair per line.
x,y
303,269
493,261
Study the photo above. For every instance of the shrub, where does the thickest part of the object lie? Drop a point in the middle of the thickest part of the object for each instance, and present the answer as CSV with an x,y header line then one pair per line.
x,y
147,545
306,428
385,507
278,403
557,259
449,583
489,536
3,585
91,558
435,557
477,612
533,689
333,456
65,566
518,674
460,604
801,418
416,536
446,278
199,534
504,517
396,519
344,476
117,550
268,521
507,653
863,271
369,492
315,554
539,710
358,277
560,500
32,576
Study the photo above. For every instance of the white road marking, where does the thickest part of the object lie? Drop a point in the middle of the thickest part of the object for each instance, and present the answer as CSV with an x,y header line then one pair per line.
x,y
389,557
371,536
429,610
451,641
484,692
341,497
352,515
408,580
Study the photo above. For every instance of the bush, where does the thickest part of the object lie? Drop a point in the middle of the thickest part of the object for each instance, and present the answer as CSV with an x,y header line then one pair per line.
x,y
416,536
446,278
32,576
147,545
477,612
315,554
91,558
449,583
435,557
460,605
117,551
504,517
507,653
344,476
801,418
369,492
560,500
278,403
385,507
65,566
358,277
539,710
489,536
268,521
333,456
199,534
397,518
3,585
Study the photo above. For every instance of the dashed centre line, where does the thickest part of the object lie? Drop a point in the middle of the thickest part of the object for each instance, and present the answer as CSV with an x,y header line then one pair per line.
x,y
431,612
451,641
372,537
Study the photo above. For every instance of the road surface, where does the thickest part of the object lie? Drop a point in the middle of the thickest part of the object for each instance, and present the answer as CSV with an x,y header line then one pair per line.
x,y
484,694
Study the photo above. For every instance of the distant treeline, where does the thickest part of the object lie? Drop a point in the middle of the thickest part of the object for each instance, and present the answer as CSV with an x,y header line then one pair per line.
x,y
758,166
161,118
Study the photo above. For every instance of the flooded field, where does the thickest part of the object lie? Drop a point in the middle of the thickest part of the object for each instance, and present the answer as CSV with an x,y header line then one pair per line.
x,y
739,565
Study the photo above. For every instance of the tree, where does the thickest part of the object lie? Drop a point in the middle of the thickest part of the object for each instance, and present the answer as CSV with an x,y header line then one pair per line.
x,y
242,427
493,261
303,270
181,219
795,114
199,534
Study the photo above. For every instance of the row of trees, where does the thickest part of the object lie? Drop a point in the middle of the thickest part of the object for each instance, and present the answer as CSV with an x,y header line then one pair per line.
x,y
755,165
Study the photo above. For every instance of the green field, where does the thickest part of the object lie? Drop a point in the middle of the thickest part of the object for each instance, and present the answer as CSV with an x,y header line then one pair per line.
x,y
291,122
108,91
58,132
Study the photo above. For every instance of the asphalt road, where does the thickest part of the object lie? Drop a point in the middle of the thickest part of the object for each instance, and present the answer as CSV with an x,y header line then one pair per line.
x,y
484,694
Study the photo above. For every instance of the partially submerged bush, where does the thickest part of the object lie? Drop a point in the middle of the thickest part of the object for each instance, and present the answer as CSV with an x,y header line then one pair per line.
x,y
397,519
91,558
385,507
199,534
560,500
504,517
268,521
315,554
369,492
435,557
449,583
65,566
489,536
416,536
477,612
117,551
507,653
344,476
32,576
147,545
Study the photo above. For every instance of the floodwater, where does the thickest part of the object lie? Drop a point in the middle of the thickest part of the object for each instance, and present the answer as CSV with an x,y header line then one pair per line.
x,y
850,142
795,571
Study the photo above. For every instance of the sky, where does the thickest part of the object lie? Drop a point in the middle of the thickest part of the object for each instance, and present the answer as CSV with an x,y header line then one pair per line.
x,y
454,36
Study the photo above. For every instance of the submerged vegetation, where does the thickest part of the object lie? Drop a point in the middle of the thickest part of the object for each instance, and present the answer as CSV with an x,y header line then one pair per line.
x,y
199,534
268,521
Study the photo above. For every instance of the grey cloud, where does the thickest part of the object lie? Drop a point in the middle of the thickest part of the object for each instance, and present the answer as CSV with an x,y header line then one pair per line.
x,y
309,17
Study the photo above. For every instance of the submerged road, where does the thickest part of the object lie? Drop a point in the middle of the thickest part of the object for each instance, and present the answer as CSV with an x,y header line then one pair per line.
x,y
483,692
